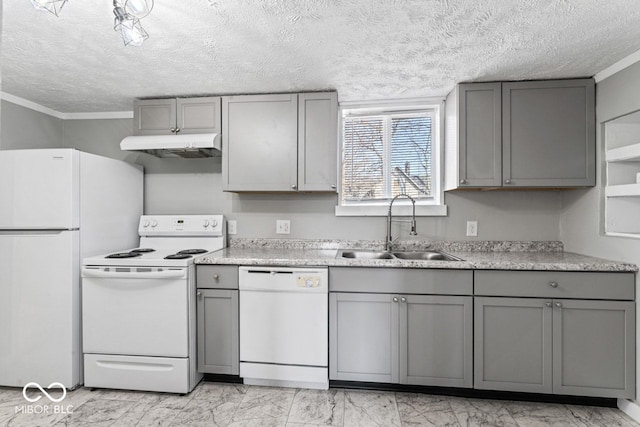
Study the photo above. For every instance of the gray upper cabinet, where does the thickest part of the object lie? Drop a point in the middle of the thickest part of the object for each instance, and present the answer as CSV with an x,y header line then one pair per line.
x,y
280,143
533,134
548,130
317,141
474,136
176,116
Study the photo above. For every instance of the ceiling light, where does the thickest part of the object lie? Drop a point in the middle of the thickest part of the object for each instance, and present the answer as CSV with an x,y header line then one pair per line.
x,y
128,26
53,6
138,8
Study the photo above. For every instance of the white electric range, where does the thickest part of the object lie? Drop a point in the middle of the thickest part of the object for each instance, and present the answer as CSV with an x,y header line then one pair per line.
x,y
138,306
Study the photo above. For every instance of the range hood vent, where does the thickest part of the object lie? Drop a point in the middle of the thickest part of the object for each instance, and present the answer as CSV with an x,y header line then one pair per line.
x,y
188,146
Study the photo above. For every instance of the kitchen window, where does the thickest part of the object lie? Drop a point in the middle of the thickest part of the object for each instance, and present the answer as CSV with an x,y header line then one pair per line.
x,y
389,150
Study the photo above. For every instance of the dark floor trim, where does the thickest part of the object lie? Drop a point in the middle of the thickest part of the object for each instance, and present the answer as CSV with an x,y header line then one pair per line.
x,y
219,378
479,394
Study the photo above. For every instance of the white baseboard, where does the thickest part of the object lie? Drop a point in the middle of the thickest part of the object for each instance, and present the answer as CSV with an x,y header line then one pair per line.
x,y
630,408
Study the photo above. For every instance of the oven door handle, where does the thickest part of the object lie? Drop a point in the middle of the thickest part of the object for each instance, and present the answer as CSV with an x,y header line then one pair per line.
x,y
161,274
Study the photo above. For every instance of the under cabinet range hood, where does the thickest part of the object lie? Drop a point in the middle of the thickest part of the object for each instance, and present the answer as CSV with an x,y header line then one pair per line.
x,y
188,145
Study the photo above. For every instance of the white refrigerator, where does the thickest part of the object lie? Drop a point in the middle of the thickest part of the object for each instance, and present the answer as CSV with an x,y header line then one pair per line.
x,y
57,206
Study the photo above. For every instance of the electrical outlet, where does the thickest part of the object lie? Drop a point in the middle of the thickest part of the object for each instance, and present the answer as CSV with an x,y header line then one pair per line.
x,y
232,226
283,226
472,228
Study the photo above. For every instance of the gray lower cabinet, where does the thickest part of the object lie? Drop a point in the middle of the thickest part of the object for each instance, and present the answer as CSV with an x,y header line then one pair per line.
x,y
407,339
218,332
576,347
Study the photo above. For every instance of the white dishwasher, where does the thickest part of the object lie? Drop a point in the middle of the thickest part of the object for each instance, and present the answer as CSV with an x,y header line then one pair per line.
x,y
284,326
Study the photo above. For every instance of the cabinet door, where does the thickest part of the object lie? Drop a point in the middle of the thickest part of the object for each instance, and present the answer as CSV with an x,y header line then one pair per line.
x,y
199,115
513,344
154,116
436,340
548,133
218,334
317,141
363,337
260,143
480,135
594,348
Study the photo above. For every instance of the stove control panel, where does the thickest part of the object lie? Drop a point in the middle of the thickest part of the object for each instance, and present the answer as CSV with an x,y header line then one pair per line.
x,y
182,225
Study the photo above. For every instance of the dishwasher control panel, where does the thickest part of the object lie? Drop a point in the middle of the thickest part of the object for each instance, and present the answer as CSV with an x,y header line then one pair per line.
x,y
308,281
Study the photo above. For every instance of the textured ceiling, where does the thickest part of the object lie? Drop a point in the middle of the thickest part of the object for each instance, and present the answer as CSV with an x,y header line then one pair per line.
x,y
365,49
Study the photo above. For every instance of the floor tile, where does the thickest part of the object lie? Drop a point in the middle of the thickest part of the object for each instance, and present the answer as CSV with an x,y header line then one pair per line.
x,y
208,390
97,412
363,408
215,411
425,410
478,412
540,414
318,407
270,405
596,416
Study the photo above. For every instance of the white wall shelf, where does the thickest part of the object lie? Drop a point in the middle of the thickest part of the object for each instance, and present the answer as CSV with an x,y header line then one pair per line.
x,y
622,192
627,190
629,153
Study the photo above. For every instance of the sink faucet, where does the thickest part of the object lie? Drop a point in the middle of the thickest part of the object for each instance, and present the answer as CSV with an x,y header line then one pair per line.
x,y
389,241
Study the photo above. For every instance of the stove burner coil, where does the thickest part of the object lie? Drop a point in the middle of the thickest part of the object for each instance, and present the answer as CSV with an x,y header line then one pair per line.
x,y
192,252
177,256
124,255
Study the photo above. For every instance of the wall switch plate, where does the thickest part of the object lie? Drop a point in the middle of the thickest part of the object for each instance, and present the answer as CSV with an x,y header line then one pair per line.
x,y
232,226
283,226
472,228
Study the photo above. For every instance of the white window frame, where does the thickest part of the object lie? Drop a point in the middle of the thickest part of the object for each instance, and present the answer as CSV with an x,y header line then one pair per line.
x,y
433,206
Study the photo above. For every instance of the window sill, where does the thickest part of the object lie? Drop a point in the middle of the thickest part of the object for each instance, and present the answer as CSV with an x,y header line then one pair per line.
x,y
398,210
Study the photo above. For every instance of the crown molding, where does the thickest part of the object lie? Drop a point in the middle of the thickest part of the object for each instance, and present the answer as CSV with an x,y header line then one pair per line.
x,y
65,116
618,66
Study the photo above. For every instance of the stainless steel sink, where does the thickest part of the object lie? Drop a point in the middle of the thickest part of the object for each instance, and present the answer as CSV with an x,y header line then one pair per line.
x,y
365,255
414,255
426,255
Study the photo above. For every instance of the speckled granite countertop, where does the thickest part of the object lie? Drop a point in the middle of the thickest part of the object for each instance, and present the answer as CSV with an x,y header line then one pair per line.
x,y
478,255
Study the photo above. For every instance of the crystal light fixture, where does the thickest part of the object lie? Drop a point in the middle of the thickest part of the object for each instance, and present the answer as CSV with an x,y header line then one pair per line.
x,y
127,17
53,6
128,26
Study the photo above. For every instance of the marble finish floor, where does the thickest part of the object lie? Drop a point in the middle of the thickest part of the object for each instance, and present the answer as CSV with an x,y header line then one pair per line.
x,y
218,404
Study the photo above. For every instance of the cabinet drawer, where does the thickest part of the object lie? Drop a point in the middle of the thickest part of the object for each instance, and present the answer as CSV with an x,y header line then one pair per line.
x,y
400,280
555,284
217,276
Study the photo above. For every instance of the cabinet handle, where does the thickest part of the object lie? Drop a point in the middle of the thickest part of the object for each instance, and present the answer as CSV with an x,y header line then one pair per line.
x,y
216,277
403,299
177,130
507,181
559,304
173,130
553,284
463,181
333,186
293,186
199,294
548,304
395,299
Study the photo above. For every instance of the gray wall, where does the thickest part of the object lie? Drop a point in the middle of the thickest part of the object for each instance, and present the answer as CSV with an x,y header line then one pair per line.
x,y
582,219
26,128
194,186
